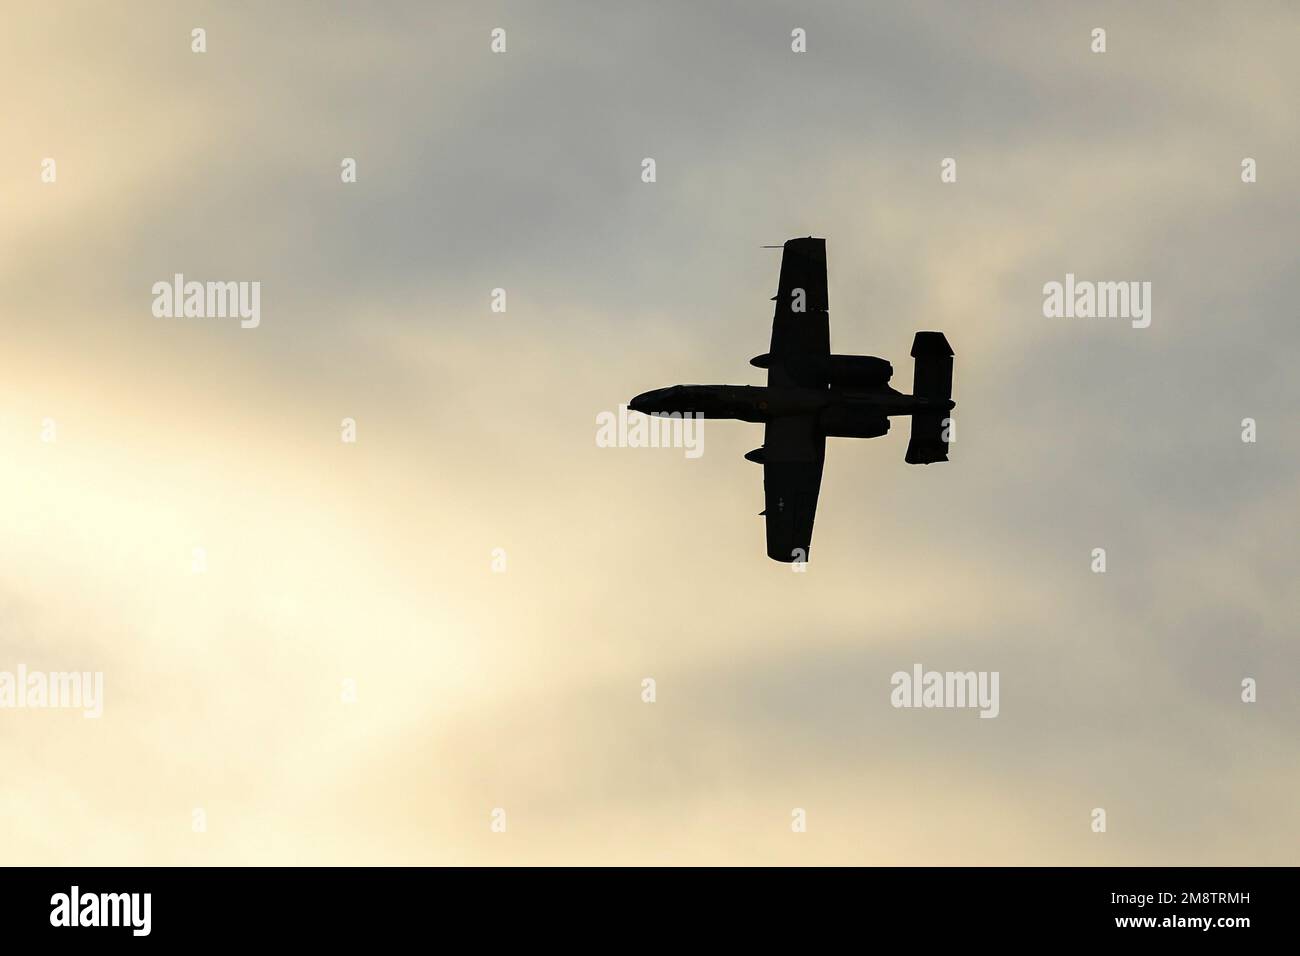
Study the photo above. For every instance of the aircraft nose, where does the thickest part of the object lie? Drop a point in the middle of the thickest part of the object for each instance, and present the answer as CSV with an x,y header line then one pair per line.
x,y
645,402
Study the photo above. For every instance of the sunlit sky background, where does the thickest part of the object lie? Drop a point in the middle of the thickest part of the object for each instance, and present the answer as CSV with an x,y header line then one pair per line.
x,y
371,562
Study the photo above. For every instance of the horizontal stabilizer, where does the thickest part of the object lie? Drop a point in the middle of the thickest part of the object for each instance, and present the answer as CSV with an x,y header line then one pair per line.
x,y
927,445
933,354
932,380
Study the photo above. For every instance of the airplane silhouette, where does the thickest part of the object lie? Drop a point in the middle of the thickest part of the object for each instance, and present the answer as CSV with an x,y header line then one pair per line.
x,y
812,395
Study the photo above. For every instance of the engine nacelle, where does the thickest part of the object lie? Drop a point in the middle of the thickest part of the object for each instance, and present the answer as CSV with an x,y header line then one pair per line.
x,y
837,421
845,371
860,370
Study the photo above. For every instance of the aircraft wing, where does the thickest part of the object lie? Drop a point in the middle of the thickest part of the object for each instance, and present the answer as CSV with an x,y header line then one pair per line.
x,y
793,452
801,330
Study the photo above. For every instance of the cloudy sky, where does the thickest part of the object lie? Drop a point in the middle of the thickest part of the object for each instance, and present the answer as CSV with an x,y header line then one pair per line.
x,y
369,565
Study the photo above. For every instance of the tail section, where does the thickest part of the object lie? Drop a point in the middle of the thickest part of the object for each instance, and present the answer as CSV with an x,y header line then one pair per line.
x,y
932,381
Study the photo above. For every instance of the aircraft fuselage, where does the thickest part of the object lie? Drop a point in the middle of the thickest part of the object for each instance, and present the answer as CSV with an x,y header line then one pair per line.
x,y
756,403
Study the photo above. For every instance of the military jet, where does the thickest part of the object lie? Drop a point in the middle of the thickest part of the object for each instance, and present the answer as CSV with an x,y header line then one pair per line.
x,y
812,395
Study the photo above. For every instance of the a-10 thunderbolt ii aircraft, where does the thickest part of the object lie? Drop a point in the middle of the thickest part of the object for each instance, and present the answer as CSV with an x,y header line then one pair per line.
x,y
812,395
